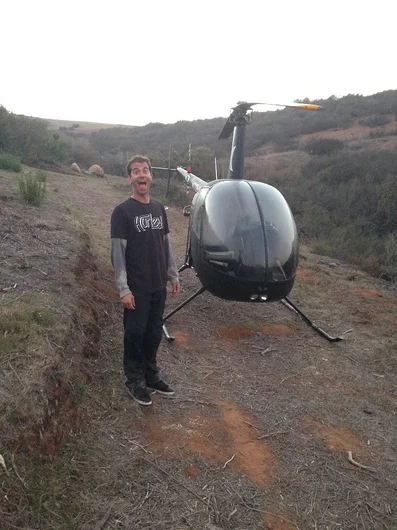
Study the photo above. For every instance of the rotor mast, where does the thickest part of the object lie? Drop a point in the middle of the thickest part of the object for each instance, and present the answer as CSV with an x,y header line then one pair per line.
x,y
238,120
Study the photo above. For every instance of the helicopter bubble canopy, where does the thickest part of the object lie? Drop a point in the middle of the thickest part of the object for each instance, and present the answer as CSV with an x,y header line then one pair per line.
x,y
244,241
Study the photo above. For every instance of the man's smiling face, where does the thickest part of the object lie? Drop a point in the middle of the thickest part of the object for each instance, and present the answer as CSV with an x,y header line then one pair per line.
x,y
140,179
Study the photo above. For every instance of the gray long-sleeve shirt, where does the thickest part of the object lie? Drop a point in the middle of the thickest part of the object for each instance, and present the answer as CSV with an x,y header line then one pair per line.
x,y
118,257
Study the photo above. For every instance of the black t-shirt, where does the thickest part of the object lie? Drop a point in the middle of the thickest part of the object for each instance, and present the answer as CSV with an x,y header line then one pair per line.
x,y
144,227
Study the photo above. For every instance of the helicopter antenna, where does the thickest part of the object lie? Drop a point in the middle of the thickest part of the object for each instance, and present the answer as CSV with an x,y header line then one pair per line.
x,y
169,171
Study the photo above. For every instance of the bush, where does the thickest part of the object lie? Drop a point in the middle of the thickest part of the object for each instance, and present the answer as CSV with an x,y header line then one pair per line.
x,y
375,121
41,176
320,246
323,146
32,189
11,162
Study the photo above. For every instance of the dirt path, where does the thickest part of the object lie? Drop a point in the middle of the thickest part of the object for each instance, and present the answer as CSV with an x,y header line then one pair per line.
x,y
264,416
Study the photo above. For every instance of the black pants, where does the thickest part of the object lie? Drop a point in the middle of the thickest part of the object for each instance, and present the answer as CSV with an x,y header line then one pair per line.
x,y
142,337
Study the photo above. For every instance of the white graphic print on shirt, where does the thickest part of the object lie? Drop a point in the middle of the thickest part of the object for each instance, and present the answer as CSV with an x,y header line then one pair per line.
x,y
146,222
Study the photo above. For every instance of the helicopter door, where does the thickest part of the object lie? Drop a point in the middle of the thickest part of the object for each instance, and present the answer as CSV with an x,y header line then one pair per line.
x,y
195,225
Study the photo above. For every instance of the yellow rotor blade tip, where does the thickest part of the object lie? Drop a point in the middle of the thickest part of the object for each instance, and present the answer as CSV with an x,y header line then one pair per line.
x,y
310,106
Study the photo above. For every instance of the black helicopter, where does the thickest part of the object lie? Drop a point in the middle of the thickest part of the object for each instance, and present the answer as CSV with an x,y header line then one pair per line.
x,y
242,240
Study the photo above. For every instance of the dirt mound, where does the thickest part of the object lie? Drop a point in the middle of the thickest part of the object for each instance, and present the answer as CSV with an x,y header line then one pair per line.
x,y
75,167
96,170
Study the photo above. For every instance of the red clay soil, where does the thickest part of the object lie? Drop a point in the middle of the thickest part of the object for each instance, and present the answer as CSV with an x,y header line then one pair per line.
x,y
368,293
277,330
235,332
228,439
307,275
277,522
340,439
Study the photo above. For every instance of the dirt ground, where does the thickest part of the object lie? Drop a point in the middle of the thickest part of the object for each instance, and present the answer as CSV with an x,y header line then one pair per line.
x,y
272,427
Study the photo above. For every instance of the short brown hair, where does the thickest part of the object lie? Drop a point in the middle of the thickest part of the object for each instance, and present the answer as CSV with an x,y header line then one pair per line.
x,y
138,158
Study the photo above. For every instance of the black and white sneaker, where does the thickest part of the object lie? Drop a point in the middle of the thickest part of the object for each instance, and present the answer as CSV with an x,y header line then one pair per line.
x,y
139,394
161,388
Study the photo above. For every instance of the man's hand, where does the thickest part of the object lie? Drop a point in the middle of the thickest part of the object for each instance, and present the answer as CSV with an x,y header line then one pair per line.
x,y
128,301
175,289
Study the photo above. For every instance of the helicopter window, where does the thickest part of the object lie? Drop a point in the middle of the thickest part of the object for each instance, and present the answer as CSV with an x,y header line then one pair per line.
x,y
232,233
280,231
197,205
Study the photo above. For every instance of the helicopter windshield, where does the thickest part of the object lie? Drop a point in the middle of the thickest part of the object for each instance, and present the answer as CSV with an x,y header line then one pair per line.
x,y
232,234
280,231
248,231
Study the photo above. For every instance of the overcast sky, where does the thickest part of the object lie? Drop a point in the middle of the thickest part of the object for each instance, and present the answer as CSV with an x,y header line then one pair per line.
x,y
135,62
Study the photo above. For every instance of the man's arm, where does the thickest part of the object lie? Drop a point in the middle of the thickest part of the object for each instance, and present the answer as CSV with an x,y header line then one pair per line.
x,y
172,269
119,230
120,270
118,253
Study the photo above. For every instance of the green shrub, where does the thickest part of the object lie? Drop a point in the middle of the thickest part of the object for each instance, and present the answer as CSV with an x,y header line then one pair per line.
x,y
11,162
32,189
375,121
320,246
41,176
176,192
323,146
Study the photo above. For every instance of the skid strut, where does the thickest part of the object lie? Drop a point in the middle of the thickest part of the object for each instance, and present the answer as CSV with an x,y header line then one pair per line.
x,y
169,337
288,303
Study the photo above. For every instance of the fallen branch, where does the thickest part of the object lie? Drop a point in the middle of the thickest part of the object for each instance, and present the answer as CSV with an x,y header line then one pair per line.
x,y
272,434
289,377
14,467
104,519
209,403
6,289
267,350
180,484
230,459
16,374
13,300
357,464
251,425
3,464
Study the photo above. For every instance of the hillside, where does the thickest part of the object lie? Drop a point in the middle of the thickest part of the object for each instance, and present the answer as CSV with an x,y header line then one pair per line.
x,y
266,411
81,127
336,168
280,130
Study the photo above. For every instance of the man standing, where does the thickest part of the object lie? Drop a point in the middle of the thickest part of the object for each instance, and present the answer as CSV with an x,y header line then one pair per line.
x,y
143,262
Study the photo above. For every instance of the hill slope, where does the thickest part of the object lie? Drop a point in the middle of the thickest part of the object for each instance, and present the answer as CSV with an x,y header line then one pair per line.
x,y
265,414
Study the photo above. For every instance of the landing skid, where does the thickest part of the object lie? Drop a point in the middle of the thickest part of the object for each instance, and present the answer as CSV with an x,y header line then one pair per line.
x,y
286,301
290,305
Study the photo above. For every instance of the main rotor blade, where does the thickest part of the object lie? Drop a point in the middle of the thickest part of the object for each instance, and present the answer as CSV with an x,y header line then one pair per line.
x,y
304,106
240,110
243,107
227,130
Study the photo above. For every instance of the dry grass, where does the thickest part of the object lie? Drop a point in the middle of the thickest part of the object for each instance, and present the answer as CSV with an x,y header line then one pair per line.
x,y
265,413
